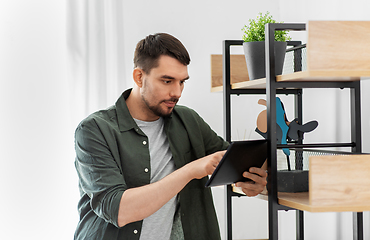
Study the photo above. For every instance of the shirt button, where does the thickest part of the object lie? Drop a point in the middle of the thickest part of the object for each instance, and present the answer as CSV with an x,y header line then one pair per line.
x,y
146,170
135,231
144,142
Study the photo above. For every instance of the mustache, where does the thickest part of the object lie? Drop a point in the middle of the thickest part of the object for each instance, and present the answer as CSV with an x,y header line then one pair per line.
x,y
175,100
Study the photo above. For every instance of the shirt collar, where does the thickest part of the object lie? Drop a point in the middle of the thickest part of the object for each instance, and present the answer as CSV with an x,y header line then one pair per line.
x,y
125,120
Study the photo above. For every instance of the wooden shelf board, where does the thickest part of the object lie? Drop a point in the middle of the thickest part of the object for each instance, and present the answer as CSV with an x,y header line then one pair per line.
x,y
251,84
300,201
323,76
217,89
238,70
302,76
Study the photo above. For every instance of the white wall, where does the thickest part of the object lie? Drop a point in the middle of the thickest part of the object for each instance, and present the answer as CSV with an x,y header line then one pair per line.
x,y
37,179
37,175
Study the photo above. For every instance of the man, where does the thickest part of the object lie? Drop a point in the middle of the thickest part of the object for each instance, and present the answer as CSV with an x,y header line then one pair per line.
x,y
143,163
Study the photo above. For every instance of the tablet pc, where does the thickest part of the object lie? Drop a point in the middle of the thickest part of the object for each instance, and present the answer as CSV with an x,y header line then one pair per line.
x,y
239,157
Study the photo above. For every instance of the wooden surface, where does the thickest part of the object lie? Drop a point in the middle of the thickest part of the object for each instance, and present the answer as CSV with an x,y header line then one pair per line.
x,y
238,70
301,201
309,75
300,76
254,84
339,180
304,77
341,46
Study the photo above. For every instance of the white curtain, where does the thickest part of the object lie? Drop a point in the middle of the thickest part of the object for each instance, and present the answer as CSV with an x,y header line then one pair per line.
x,y
95,54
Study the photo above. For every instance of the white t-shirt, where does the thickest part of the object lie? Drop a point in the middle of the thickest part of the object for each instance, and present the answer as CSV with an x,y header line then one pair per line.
x,y
159,224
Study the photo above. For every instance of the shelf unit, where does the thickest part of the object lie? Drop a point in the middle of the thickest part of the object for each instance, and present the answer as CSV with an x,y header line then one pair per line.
x,y
293,83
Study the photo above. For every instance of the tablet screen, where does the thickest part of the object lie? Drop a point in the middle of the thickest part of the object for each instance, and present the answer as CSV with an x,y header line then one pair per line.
x,y
239,157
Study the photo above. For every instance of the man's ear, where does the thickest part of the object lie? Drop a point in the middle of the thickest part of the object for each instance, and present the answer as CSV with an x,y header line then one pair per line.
x,y
138,76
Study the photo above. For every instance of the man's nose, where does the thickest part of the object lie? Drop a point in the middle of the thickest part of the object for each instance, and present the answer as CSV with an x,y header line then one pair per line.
x,y
176,91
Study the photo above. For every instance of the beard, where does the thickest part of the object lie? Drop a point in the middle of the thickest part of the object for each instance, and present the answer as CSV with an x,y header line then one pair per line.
x,y
157,109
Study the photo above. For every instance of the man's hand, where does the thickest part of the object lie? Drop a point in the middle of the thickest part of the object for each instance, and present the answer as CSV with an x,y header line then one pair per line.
x,y
206,165
258,176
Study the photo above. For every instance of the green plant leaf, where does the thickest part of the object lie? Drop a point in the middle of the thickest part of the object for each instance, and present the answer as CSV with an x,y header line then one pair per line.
x,y
255,30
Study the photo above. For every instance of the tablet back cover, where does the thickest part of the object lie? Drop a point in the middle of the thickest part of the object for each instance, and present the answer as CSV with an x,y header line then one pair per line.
x,y
240,156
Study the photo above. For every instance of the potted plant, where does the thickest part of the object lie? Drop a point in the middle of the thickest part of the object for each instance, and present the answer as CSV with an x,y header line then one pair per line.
x,y
254,46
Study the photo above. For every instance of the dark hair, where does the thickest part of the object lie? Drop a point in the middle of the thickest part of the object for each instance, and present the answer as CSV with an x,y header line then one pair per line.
x,y
149,49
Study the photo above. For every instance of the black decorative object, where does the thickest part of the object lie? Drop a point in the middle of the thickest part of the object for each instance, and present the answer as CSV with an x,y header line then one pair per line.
x,y
292,181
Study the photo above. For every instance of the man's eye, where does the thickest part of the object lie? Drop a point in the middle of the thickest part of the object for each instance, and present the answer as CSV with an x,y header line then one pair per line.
x,y
166,81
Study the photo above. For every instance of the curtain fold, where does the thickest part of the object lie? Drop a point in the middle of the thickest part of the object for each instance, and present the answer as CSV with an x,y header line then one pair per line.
x,y
95,55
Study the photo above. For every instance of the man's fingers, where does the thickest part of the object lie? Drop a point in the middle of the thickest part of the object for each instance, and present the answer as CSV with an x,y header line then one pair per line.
x,y
222,153
259,178
258,171
249,188
219,155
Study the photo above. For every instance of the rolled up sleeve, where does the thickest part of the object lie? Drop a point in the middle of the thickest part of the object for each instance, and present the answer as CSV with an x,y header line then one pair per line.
x,y
100,175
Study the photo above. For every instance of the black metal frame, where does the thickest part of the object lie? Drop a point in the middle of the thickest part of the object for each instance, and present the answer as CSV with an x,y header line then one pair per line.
x,y
272,89
227,92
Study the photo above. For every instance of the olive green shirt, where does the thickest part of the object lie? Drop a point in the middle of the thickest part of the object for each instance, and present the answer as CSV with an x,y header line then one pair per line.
x,y
112,155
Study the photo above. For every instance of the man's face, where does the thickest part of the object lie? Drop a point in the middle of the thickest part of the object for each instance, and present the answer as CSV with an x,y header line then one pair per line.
x,y
162,87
